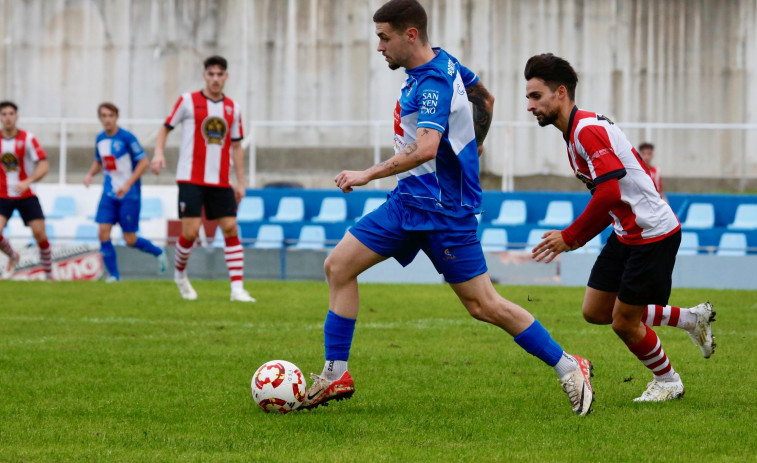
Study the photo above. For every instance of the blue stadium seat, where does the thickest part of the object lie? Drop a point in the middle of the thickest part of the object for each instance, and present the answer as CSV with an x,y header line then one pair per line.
x,y
64,206
311,237
732,244
251,209
371,204
291,209
152,208
535,237
494,240
512,212
592,247
559,213
270,237
86,233
689,244
746,218
332,210
700,216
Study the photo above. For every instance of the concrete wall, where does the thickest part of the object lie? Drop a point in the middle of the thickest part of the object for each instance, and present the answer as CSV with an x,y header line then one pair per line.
x,y
638,60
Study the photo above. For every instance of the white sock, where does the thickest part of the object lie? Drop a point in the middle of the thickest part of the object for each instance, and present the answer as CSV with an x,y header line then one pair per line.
x,y
334,369
179,275
237,286
567,364
687,320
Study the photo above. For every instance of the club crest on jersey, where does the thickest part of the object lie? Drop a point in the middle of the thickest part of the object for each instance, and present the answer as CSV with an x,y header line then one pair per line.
x,y
214,130
117,145
229,109
10,162
19,145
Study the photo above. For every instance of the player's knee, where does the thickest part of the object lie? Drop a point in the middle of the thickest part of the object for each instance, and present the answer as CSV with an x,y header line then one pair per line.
x,y
623,327
480,308
596,318
130,239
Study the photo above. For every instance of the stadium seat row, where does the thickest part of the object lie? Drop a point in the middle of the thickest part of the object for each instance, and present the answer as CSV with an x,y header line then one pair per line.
x,y
292,209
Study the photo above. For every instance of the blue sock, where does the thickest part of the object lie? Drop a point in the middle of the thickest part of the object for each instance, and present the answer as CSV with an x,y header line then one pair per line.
x,y
109,258
146,246
536,341
337,336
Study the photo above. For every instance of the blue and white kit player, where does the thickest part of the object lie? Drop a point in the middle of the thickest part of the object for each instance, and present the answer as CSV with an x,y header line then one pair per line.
x,y
123,161
433,209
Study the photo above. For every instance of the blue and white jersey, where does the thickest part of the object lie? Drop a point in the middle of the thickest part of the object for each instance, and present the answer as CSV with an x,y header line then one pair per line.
x,y
434,96
119,155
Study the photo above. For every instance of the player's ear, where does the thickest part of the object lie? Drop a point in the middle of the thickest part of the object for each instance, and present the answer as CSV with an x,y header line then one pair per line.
x,y
412,34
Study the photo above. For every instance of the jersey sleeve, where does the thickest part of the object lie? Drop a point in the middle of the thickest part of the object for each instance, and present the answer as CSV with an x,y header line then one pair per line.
x,y
599,154
178,114
98,158
135,148
434,97
469,77
237,131
34,149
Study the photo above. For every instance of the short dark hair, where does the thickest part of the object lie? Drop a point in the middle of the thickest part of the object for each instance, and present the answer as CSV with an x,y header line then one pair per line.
x,y
215,60
554,71
646,145
403,14
6,103
107,105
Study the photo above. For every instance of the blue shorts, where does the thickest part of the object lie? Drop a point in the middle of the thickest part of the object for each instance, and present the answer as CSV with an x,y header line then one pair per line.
x,y
124,212
394,230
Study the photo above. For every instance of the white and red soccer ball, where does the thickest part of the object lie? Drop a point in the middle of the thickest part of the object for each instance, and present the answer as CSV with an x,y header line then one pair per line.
x,y
278,386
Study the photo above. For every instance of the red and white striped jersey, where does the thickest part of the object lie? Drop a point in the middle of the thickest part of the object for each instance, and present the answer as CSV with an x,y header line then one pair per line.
x,y
208,128
599,151
18,158
654,172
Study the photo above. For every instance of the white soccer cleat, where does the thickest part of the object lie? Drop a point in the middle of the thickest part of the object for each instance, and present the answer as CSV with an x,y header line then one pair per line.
x,y
111,279
10,269
577,384
658,391
241,296
701,334
323,391
186,289
162,263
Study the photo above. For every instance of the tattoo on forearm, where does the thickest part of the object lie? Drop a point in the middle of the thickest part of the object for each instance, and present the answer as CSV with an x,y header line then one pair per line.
x,y
482,116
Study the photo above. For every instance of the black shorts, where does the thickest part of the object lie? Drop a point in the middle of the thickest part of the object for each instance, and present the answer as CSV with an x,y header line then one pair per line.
x,y
29,208
640,274
218,201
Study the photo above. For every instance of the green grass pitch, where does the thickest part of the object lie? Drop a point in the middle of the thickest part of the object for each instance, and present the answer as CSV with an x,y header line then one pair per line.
x,y
130,372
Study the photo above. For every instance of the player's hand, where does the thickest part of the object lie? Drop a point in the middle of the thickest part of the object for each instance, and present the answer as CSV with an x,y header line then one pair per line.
x,y
22,186
239,193
480,150
122,191
158,162
87,180
349,178
548,249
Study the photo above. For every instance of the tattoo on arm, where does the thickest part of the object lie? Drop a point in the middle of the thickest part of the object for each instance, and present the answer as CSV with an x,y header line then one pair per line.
x,y
481,100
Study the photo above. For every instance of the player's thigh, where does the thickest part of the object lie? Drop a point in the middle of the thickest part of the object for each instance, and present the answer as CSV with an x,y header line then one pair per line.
x,y
228,226
107,210
190,227
219,202
350,258
456,254
598,305
648,277
128,214
31,210
382,232
38,229
607,272
191,198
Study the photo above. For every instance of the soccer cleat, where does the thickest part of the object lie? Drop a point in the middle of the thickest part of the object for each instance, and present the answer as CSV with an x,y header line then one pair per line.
x,y
577,384
111,279
658,391
10,269
186,289
241,296
162,264
322,390
701,334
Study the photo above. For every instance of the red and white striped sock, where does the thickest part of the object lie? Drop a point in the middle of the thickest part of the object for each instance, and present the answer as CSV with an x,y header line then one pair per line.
x,y
183,251
657,315
46,258
650,352
5,247
234,262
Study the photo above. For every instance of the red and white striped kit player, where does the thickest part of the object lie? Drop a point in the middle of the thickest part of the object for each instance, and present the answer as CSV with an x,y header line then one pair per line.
x,y
654,172
598,151
208,128
19,155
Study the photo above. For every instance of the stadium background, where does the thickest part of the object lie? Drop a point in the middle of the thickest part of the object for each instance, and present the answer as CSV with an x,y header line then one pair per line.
x,y
642,62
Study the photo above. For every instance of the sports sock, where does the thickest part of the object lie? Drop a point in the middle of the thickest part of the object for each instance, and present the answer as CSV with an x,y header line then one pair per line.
x,y
337,339
46,258
334,369
536,341
657,315
650,352
109,258
234,262
147,246
5,247
565,365
183,251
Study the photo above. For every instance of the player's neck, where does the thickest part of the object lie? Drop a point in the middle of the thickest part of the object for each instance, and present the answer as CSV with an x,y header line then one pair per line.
x,y
10,133
215,96
421,57
563,118
112,131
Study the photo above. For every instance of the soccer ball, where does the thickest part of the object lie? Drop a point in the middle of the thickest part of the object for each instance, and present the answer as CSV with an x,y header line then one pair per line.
x,y
278,386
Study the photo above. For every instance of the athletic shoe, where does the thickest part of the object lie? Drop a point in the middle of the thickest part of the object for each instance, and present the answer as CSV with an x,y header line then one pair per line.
x,y
162,264
111,279
186,289
701,334
10,269
658,391
322,390
241,296
577,384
